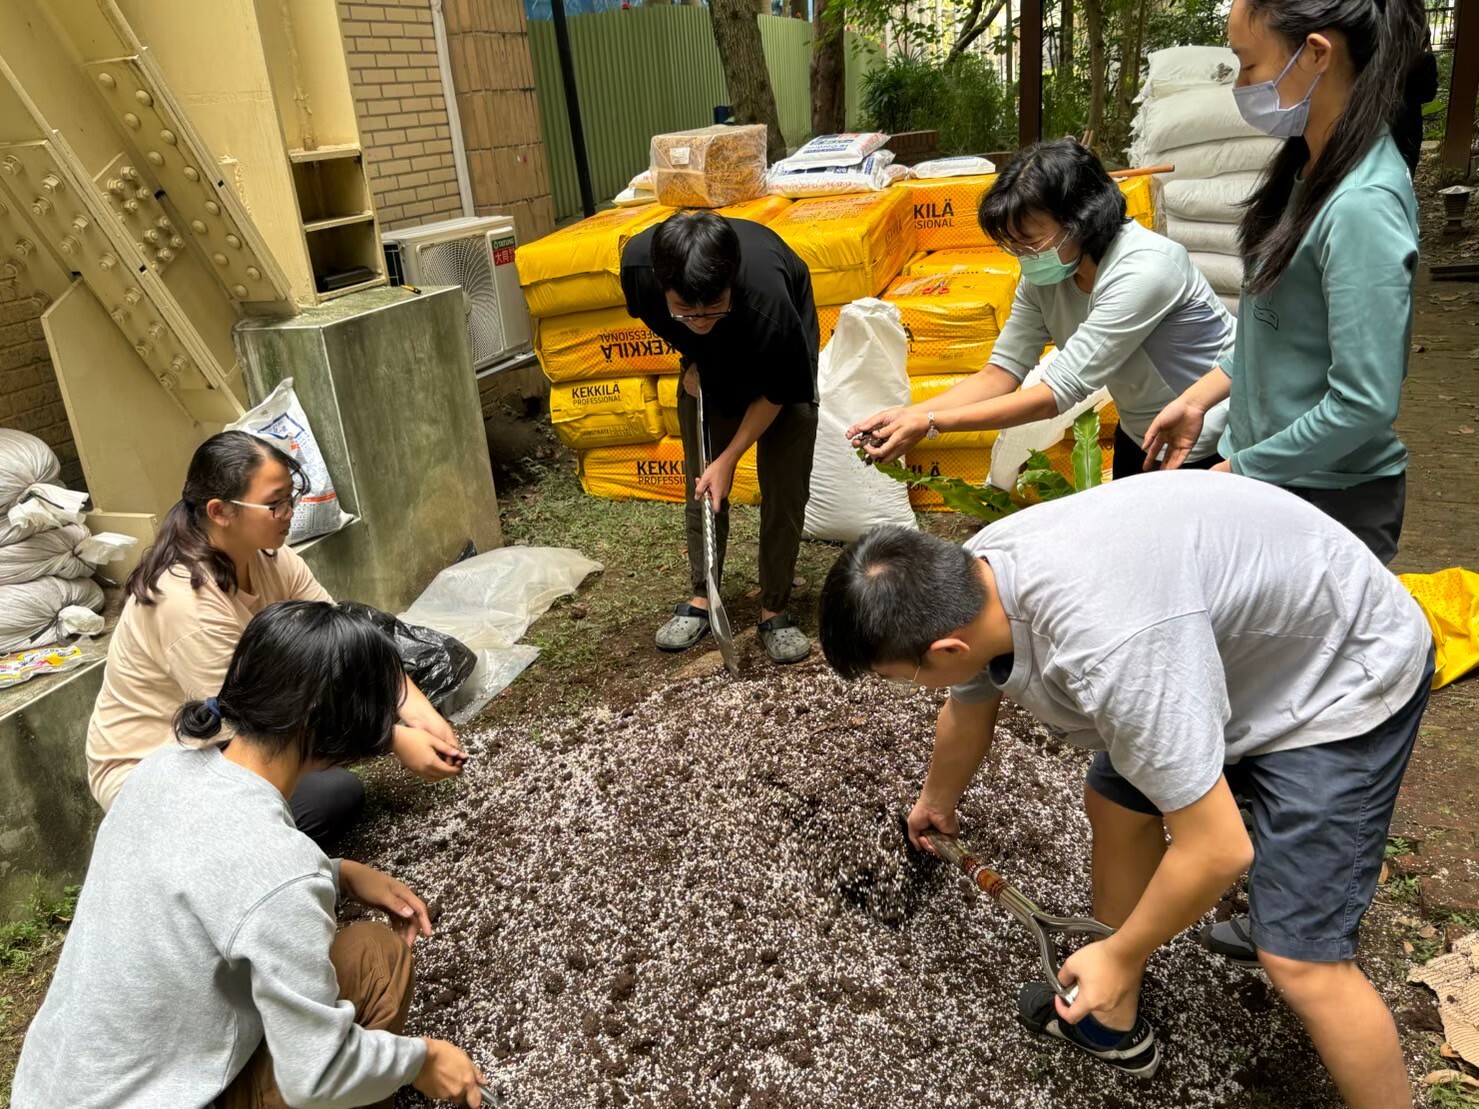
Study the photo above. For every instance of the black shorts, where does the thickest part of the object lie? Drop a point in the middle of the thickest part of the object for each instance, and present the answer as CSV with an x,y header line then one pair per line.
x,y
1320,820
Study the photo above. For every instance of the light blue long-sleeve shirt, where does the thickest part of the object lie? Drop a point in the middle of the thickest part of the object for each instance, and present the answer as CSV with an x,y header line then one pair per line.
x,y
1319,360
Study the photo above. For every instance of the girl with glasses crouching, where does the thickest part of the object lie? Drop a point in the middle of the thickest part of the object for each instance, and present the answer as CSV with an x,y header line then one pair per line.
x,y
219,559
203,967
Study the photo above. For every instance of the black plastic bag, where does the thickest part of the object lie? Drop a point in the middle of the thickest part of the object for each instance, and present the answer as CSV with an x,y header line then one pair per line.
x,y
437,663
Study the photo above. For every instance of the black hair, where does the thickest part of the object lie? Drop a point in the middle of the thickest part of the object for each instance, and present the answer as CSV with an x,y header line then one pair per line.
x,y
310,675
222,468
1065,180
891,594
696,255
1383,37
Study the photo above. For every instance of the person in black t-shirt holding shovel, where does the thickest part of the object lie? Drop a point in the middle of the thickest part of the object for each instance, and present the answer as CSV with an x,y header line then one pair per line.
x,y
736,303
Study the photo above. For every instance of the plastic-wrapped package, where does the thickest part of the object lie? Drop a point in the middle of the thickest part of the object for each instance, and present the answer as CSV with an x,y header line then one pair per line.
x,y
853,245
710,167
15,669
488,602
24,461
838,150
861,372
603,343
437,663
30,611
281,421
964,165
869,175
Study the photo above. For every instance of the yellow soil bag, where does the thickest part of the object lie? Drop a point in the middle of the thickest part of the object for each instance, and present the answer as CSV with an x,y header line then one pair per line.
x,y
1141,196
854,245
971,464
667,400
613,412
654,472
965,259
761,210
1450,600
603,343
922,389
952,319
578,268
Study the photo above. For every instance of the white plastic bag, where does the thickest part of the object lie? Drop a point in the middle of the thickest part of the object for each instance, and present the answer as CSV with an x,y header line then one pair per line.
x,y
869,175
24,461
103,547
1183,68
281,421
1014,444
837,150
30,611
488,602
861,372
633,198
964,165
43,507
1214,199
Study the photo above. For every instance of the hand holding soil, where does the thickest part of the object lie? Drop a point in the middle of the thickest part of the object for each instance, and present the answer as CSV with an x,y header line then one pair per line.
x,y
426,756
449,1075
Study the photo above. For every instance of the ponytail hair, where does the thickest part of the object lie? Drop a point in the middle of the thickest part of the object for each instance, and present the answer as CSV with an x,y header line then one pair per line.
x,y
222,468
1383,38
309,675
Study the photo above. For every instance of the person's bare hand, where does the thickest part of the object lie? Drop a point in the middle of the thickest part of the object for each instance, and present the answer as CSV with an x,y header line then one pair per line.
x,y
690,381
1176,429
449,1075
426,756
931,816
378,890
715,483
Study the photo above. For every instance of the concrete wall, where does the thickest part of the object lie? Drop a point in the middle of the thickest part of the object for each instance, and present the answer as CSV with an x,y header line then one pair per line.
x,y
386,378
30,398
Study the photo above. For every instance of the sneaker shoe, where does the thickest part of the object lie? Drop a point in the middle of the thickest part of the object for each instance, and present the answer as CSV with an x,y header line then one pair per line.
x,y
684,628
783,640
1230,939
1136,1052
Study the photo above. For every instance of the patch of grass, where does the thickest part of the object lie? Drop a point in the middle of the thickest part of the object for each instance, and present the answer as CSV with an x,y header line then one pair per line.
x,y
27,947
1454,1095
1404,891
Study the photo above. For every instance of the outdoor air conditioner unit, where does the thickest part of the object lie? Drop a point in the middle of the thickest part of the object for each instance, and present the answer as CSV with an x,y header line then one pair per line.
x,y
478,254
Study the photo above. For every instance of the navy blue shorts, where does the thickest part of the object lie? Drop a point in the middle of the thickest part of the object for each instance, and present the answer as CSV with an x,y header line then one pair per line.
x,y
1320,820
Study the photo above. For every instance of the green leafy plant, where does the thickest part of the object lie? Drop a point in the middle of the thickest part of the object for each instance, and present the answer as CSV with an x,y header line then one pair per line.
x,y
1037,482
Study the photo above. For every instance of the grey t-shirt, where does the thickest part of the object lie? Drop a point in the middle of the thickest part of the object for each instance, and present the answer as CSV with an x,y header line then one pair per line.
x,y
204,924
1150,328
1185,620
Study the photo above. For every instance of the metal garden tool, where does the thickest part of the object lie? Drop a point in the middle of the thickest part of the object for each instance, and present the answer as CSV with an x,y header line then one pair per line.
x,y
718,618
1043,925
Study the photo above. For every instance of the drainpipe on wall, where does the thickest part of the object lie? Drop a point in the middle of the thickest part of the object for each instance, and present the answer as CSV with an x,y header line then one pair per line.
x,y
454,119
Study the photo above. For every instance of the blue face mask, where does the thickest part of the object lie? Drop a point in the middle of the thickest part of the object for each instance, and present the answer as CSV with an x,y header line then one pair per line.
x,y
1259,105
1045,267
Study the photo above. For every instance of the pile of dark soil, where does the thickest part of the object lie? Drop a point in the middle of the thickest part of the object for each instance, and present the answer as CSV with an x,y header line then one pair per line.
x,y
706,900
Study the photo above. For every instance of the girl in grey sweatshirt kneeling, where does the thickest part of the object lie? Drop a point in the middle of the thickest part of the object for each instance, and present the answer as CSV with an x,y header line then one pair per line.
x,y
205,966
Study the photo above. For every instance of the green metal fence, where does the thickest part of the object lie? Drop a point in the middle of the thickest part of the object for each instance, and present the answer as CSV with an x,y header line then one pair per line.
x,y
649,70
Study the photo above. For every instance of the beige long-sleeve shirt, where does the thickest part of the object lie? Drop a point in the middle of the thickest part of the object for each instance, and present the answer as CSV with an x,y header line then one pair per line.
x,y
173,651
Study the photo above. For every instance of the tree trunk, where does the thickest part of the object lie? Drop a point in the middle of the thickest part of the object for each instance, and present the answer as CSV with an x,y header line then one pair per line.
x,y
1009,41
737,34
1130,62
828,73
1065,40
972,26
1094,16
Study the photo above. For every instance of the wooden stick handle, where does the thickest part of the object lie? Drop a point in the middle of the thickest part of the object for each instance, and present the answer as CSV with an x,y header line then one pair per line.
x,y
1141,171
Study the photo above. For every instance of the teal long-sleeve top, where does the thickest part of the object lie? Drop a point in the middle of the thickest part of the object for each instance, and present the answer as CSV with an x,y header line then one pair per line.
x,y
1318,362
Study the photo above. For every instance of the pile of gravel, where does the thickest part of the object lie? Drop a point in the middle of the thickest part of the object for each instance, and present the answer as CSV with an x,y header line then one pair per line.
x,y
706,900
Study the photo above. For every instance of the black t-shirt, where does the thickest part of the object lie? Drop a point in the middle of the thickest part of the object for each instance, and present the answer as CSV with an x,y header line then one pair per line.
x,y
766,346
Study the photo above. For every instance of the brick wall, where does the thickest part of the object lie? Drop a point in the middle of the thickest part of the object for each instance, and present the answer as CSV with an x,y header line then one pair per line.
x,y
488,44
402,113
30,398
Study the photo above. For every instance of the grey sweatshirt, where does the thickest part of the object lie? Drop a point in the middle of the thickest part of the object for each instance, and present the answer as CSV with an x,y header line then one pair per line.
x,y
204,924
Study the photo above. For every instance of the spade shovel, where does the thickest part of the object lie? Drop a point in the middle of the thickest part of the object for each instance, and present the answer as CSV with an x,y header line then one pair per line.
x,y
718,618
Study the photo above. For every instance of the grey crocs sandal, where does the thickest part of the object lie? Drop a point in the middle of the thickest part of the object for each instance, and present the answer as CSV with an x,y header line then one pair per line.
x,y
783,640
1231,939
684,628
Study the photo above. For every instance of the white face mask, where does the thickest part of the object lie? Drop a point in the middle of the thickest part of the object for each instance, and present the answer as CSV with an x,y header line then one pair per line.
x,y
1259,105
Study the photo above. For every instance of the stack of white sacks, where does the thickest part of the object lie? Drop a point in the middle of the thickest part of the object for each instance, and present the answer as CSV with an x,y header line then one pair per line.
x,y
1189,118
47,556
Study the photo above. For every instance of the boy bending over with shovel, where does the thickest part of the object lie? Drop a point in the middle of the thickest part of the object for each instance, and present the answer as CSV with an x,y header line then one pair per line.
x,y
1202,633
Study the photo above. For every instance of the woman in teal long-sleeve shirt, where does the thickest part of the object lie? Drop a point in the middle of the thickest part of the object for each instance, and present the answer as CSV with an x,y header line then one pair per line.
x,y
1329,247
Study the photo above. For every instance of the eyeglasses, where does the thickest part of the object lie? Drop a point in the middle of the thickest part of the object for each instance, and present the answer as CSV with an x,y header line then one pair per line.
x,y
281,510
905,681
1017,250
689,317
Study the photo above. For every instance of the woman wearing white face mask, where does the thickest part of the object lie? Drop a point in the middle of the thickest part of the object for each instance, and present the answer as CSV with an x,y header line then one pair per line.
x,y
1329,245
1125,307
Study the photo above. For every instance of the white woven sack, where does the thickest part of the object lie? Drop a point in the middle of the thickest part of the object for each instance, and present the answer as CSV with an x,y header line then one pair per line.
x,y
1214,159
1223,273
861,372
1211,199
1191,118
29,611
1202,235
1184,68
24,461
